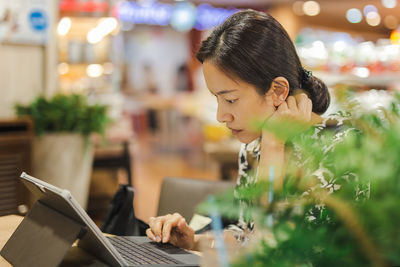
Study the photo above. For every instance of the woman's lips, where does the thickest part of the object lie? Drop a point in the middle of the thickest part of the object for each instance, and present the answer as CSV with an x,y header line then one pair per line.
x,y
235,131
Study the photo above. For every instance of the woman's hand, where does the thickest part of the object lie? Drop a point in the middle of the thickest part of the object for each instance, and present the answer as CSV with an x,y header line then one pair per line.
x,y
297,107
171,228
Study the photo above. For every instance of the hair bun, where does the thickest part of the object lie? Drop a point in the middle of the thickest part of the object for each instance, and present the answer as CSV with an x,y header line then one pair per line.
x,y
318,92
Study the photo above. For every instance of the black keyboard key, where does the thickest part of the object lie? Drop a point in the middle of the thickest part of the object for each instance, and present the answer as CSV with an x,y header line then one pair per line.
x,y
139,254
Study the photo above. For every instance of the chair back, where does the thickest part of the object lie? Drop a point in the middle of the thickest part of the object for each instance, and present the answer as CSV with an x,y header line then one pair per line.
x,y
182,195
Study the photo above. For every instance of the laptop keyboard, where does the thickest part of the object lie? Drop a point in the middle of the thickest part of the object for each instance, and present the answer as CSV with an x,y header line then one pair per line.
x,y
140,254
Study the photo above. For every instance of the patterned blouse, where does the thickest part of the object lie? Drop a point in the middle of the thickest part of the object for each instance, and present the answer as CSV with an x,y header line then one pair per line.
x,y
249,157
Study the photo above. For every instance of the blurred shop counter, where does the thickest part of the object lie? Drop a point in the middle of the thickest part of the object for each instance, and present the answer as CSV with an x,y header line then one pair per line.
x,y
381,80
113,151
112,154
170,119
225,153
186,122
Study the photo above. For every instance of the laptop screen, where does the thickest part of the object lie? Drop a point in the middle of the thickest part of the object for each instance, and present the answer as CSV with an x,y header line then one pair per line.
x,y
62,201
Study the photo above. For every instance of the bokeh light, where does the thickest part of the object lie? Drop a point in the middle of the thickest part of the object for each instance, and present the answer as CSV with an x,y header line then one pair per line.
x,y
395,37
94,36
311,8
297,8
373,19
391,22
64,26
94,70
183,17
389,3
63,68
361,72
107,25
370,8
354,15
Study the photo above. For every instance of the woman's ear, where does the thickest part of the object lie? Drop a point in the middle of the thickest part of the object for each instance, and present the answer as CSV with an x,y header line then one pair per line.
x,y
279,90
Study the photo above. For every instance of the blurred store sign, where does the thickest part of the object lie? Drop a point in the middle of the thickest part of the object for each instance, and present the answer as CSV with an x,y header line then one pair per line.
x,y
84,6
181,16
38,20
153,14
209,17
24,21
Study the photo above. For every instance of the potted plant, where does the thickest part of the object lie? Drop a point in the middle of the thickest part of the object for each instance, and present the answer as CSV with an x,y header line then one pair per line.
x,y
62,151
355,231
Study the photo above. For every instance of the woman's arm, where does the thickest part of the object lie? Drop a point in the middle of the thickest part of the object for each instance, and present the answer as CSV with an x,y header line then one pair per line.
x,y
272,154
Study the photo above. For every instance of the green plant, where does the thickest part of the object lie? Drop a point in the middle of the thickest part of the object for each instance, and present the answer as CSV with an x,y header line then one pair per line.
x,y
65,113
350,231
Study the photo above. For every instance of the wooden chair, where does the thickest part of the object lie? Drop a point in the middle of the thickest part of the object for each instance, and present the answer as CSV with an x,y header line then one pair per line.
x,y
16,137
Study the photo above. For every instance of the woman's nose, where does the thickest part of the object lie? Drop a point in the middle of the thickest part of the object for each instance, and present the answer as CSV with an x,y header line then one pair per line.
x,y
223,116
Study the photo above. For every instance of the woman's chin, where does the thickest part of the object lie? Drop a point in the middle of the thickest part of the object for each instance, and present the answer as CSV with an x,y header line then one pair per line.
x,y
245,137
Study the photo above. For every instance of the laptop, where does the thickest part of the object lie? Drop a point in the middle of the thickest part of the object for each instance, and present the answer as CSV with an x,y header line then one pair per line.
x,y
54,202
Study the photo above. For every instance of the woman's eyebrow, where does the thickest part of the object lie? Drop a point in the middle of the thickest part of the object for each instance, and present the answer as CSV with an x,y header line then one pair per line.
x,y
225,92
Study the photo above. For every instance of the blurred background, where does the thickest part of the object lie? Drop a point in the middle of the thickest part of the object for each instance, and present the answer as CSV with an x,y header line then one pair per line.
x,y
138,59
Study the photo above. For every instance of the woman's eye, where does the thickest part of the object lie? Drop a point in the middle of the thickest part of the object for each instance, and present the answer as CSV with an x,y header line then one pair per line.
x,y
231,101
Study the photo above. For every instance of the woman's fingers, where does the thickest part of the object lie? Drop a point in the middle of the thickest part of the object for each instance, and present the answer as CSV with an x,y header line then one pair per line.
x,y
292,105
298,107
301,100
309,110
168,225
183,235
304,105
156,225
184,227
162,226
150,234
282,108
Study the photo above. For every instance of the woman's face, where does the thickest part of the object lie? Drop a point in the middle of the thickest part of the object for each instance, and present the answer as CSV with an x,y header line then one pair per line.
x,y
239,103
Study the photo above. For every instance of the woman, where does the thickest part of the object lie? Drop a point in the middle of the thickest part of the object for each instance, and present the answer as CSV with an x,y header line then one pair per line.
x,y
251,66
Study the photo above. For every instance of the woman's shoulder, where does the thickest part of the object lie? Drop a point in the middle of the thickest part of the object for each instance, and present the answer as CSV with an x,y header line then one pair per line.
x,y
334,121
338,123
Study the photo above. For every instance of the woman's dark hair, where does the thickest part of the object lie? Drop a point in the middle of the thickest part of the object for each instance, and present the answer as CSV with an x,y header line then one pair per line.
x,y
255,48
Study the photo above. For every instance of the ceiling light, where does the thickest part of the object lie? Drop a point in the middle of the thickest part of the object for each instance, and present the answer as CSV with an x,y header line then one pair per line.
x,y
354,15
311,8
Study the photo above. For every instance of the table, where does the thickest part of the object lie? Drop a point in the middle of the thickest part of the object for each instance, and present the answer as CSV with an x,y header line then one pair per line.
x,y
75,256
7,227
